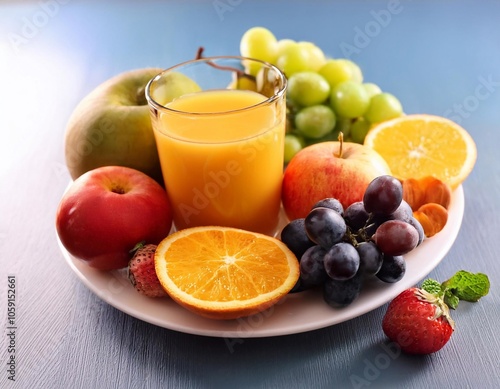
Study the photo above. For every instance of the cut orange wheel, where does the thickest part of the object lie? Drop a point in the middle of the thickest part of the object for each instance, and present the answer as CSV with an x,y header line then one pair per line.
x,y
225,273
416,146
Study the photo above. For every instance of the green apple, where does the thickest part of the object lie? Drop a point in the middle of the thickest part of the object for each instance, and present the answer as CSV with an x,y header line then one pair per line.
x,y
170,86
111,126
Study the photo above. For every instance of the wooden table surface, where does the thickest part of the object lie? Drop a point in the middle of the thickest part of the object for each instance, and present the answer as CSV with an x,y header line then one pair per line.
x,y
441,58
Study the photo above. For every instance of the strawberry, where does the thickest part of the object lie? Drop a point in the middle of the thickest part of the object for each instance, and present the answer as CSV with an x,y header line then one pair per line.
x,y
142,274
419,320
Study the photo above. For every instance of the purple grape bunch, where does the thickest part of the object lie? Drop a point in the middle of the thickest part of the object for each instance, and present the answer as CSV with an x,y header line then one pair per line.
x,y
340,248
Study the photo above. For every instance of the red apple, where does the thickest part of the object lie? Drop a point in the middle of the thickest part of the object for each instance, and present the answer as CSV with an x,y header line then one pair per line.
x,y
107,211
341,170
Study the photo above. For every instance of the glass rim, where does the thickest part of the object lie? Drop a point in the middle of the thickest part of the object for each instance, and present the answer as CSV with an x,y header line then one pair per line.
x,y
269,100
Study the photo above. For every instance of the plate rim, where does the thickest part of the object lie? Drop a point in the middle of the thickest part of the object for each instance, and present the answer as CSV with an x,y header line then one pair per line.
x,y
241,328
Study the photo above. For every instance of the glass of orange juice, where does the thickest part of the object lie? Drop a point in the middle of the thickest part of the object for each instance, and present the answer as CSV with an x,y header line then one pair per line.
x,y
220,137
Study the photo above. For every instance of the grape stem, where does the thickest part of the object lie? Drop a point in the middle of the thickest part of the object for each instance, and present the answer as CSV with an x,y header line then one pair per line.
x,y
239,73
352,237
360,235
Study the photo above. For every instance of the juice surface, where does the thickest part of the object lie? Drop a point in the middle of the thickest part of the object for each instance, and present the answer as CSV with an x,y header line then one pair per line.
x,y
223,162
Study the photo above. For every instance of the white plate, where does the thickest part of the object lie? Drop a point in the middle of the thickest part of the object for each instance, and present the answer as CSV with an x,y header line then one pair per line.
x,y
296,313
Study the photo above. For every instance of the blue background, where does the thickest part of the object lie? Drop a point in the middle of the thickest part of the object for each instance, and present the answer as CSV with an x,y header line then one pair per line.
x,y
433,55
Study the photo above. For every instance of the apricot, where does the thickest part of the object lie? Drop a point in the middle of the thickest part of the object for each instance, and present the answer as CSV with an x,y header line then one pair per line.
x,y
433,218
413,193
418,192
436,191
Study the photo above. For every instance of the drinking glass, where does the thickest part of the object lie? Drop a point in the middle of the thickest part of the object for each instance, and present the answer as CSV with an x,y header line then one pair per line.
x,y
220,134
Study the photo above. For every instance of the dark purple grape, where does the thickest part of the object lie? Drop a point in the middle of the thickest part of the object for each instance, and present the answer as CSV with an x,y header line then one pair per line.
x,y
297,287
312,269
421,234
342,261
404,212
325,227
356,216
375,221
331,203
395,237
393,268
370,258
383,195
339,294
295,237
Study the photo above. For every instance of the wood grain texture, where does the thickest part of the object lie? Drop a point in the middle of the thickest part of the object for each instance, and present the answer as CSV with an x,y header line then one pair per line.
x,y
68,338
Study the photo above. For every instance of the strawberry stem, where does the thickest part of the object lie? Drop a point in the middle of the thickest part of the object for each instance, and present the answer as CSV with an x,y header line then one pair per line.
x,y
441,307
139,245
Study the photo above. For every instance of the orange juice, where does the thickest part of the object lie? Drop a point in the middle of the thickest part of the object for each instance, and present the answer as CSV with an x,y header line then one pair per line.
x,y
221,153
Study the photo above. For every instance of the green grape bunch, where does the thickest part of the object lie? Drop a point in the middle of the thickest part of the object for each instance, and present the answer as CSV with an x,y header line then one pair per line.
x,y
325,96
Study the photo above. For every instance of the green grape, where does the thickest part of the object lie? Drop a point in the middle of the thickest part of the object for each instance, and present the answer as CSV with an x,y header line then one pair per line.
x,y
293,144
243,83
336,71
343,126
383,106
172,86
316,55
372,89
294,59
315,121
292,106
307,88
258,43
347,138
356,73
349,99
359,129
332,136
283,45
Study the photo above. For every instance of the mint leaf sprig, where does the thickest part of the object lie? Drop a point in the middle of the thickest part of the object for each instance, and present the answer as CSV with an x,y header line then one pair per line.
x,y
463,285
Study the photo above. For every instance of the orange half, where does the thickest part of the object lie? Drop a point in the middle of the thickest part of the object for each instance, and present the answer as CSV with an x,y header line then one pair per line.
x,y
416,146
225,273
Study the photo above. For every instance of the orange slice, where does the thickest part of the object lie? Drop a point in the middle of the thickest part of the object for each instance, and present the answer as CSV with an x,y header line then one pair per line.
x,y
225,273
415,146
